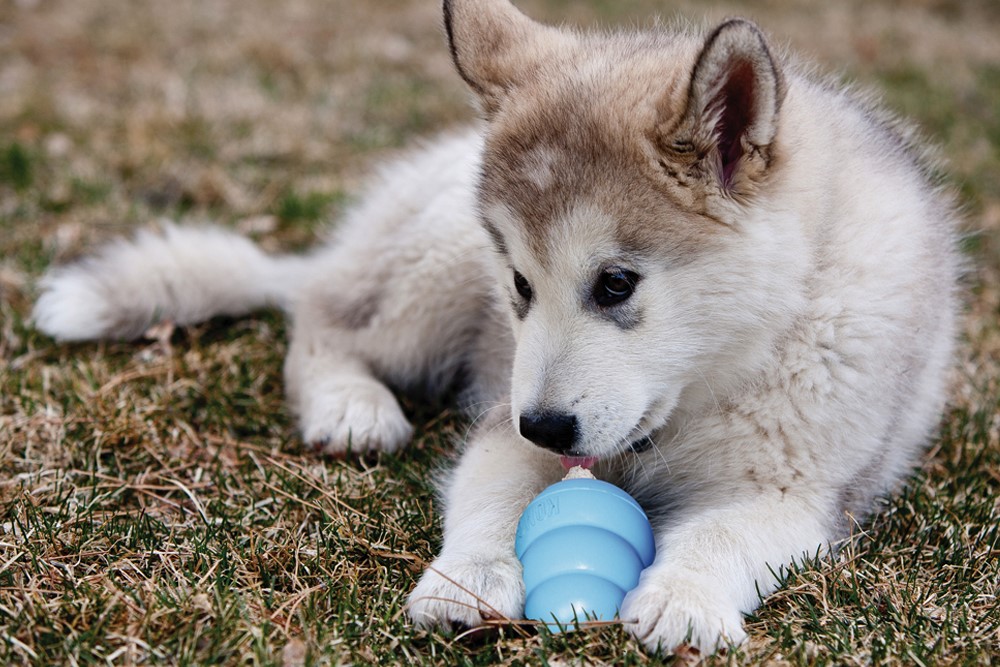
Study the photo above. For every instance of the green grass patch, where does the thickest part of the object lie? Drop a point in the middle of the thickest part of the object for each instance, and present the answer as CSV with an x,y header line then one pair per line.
x,y
15,166
309,207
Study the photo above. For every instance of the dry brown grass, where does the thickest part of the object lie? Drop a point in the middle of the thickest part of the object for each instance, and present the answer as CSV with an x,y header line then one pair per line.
x,y
155,505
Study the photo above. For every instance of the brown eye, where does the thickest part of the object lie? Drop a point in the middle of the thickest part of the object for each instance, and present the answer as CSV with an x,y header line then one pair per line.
x,y
522,286
614,286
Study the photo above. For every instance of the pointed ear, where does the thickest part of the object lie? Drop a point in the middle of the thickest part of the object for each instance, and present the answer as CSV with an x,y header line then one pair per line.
x,y
495,46
734,99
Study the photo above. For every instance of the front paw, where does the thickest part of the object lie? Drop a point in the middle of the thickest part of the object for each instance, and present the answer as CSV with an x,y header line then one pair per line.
x,y
681,609
359,414
466,590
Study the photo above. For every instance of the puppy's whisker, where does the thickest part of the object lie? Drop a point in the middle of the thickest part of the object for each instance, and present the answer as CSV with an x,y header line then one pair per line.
x,y
711,390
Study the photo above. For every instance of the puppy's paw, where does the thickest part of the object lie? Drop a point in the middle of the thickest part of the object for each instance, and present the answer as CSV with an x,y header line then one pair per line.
x,y
356,414
681,609
464,591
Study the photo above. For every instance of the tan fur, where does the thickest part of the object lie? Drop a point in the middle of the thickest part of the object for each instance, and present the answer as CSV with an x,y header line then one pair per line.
x,y
505,48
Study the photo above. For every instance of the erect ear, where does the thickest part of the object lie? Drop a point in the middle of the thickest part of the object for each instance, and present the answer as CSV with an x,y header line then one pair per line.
x,y
495,46
734,99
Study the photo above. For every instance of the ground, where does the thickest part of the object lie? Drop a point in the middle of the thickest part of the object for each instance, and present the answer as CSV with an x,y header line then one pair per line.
x,y
156,504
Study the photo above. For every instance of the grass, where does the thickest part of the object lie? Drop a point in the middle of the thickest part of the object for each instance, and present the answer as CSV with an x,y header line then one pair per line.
x,y
15,166
156,505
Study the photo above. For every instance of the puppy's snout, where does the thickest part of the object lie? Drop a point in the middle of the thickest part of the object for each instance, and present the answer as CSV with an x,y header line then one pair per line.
x,y
554,431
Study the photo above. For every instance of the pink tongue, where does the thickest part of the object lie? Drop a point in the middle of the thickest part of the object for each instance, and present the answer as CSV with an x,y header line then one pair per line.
x,y
573,461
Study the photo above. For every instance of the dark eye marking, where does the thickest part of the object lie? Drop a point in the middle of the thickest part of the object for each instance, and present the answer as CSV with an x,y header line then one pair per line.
x,y
498,242
522,286
523,289
614,286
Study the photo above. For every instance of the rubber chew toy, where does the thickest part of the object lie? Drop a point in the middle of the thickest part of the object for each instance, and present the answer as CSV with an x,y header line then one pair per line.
x,y
582,543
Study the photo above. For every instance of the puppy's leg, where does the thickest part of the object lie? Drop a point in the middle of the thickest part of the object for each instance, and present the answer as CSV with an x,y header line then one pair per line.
x,y
477,576
715,565
399,308
340,403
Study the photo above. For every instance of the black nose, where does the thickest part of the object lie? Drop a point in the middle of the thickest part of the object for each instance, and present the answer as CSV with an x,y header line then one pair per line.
x,y
550,430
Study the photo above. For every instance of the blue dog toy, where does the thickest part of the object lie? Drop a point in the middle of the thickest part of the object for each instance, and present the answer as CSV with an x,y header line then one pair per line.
x,y
582,543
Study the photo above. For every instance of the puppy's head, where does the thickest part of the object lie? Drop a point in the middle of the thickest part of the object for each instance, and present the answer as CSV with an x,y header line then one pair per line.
x,y
621,182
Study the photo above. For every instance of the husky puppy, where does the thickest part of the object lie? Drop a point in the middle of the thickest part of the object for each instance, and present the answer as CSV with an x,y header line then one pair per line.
x,y
670,256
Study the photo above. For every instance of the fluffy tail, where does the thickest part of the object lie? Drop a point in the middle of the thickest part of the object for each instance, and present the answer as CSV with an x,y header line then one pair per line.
x,y
184,275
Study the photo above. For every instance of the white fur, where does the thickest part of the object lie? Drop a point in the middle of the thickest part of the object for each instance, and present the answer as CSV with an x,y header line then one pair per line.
x,y
788,373
184,274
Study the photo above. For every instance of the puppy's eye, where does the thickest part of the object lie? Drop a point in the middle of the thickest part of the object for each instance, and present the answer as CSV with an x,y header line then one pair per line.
x,y
614,286
522,286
